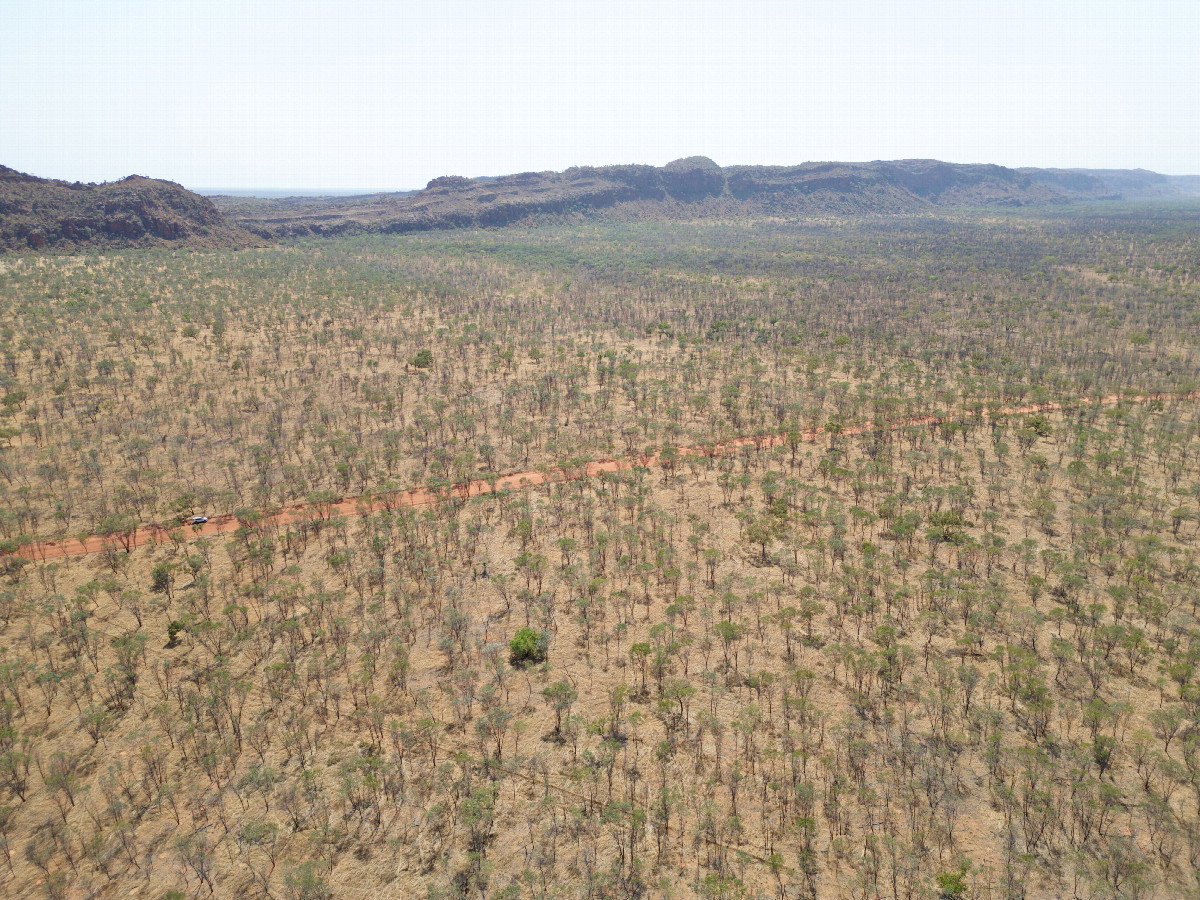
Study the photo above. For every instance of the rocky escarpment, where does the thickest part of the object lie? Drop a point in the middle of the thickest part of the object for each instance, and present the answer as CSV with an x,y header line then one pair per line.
x,y
696,187
46,214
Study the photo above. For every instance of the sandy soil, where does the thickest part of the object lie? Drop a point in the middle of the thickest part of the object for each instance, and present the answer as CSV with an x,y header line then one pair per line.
x,y
352,506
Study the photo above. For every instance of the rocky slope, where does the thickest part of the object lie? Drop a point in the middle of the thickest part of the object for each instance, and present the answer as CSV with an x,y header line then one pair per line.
x,y
697,187
47,214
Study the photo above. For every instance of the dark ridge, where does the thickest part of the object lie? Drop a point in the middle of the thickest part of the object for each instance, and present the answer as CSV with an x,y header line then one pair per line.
x,y
696,187
49,215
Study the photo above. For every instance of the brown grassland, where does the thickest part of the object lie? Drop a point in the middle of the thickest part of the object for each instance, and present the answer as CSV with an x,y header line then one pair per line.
x,y
874,656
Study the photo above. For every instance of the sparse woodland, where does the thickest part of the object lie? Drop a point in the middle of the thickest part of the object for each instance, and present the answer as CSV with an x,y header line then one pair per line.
x,y
907,661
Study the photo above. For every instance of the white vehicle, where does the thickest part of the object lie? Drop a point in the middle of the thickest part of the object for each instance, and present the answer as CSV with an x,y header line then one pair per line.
x,y
199,520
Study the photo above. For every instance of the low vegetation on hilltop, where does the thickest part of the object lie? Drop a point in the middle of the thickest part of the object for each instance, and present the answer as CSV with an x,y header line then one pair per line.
x,y
697,188
43,214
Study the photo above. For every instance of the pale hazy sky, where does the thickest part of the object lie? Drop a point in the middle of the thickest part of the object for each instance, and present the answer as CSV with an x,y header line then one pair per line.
x,y
349,94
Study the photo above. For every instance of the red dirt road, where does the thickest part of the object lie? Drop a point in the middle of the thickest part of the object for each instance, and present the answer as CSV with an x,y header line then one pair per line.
x,y
351,506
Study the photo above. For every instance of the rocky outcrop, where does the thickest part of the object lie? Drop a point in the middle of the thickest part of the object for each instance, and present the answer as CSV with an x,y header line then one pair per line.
x,y
696,187
45,214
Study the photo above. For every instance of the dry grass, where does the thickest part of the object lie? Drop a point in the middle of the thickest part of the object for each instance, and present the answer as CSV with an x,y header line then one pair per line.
x,y
892,656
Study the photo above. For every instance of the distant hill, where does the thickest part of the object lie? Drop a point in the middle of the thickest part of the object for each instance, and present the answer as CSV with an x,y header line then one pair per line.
x,y
46,214
697,187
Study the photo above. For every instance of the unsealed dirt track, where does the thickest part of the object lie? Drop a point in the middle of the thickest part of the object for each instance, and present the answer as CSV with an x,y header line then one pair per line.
x,y
351,506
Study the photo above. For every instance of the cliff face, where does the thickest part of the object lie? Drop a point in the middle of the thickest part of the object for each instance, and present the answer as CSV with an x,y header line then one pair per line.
x,y
696,187
46,214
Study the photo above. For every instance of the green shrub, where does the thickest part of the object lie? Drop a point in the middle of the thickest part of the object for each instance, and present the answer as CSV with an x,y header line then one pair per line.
x,y
304,883
953,885
528,646
173,630
1040,425
161,578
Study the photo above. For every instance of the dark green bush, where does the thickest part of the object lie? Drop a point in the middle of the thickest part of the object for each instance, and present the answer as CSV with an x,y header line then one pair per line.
x,y
161,578
528,646
1040,425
